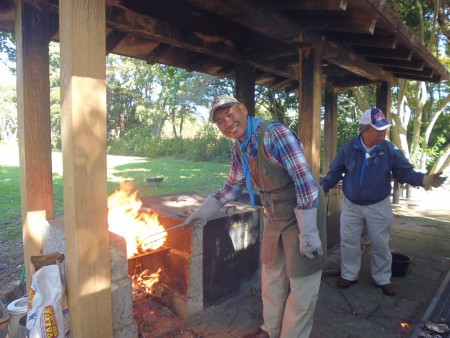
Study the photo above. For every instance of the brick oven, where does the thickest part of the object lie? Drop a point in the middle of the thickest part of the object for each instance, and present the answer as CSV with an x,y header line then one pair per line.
x,y
201,266
204,265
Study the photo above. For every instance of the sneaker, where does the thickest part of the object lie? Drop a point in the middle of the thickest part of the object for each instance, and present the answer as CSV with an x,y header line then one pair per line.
x,y
343,283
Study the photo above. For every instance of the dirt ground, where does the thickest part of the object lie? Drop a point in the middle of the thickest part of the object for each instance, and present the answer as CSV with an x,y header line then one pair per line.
x,y
11,264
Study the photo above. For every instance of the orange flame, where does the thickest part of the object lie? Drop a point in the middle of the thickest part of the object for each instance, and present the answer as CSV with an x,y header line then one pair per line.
x,y
141,230
405,325
147,280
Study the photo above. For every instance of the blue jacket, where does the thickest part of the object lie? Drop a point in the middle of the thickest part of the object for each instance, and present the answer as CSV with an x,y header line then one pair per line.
x,y
370,183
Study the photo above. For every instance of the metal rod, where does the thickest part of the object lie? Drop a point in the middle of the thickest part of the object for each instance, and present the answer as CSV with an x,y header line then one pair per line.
x,y
146,253
145,241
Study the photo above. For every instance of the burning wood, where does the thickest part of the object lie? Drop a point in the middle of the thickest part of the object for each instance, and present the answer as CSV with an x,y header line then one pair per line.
x,y
147,281
126,219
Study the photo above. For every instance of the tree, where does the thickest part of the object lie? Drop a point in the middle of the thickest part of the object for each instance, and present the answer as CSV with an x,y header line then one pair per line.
x,y
277,105
152,96
8,113
424,105
8,48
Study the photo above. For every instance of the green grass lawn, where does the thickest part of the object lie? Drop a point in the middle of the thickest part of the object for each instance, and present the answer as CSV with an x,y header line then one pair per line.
x,y
178,176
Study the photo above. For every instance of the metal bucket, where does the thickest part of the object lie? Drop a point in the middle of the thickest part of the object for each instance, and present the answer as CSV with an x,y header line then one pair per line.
x,y
400,264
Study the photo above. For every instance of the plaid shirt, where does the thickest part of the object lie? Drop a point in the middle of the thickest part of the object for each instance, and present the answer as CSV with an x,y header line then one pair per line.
x,y
284,149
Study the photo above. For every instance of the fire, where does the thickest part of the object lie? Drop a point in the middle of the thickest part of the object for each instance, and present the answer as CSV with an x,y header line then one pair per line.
x,y
141,230
147,280
405,325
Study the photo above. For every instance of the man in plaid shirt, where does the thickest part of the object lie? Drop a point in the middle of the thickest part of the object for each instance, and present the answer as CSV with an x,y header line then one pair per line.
x,y
270,156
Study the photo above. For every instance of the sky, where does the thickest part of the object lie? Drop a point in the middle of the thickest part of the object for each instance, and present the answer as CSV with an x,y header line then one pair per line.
x,y
5,74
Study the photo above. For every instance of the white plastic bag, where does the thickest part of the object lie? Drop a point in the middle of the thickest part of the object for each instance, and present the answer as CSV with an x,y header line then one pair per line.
x,y
45,310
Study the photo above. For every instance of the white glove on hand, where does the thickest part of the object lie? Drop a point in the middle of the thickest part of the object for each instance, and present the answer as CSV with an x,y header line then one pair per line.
x,y
309,235
209,207
433,180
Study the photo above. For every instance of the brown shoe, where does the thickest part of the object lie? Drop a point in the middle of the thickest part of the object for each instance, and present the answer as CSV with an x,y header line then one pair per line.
x,y
343,283
258,334
388,289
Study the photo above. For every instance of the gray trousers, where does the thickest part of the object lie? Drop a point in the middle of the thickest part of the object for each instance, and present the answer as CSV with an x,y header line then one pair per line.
x,y
288,303
379,220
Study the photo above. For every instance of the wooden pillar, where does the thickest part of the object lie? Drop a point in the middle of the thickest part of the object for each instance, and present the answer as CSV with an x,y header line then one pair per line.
x,y
310,96
384,98
330,129
83,118
384,103
33,114
245,85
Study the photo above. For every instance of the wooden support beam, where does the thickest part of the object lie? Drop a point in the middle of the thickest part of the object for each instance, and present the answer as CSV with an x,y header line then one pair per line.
x,y
354,39
156,53
292,88
283,29
434,78
425,73
217,46
113,39
411,64
397,54
362,23
227,71
283,84
196,63
330,5
83,119
347,83
310,96
33,115
272,82
245,85
330,128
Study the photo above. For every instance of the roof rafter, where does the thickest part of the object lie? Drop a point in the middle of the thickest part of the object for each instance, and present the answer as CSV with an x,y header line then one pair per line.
x,y
218,46
284,29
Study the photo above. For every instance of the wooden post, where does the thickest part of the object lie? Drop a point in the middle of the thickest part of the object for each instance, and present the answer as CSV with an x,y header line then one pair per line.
x,y
83,118
384,103
384,98
33,115
310,96
245,85
330,129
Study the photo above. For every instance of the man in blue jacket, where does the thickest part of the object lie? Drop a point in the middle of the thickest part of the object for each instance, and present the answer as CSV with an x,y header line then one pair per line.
x,y
366,165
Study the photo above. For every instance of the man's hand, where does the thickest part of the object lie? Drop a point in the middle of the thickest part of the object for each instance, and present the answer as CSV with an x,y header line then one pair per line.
x,y
309,235
433,180
209,207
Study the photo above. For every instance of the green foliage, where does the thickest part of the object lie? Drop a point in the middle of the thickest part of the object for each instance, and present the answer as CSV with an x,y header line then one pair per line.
x,y
348,118
7,46
154,95
277,105
207,145
8,113
10,214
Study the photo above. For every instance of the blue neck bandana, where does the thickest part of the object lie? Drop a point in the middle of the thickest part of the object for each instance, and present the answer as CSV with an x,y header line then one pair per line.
x,y
366,157
252,124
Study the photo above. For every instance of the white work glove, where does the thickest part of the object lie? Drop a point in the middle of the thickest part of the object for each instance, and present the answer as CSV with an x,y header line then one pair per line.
x,y
433,180
309,235
209,207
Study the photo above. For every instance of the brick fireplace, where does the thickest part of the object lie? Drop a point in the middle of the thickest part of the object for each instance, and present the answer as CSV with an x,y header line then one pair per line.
x,y
202,266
